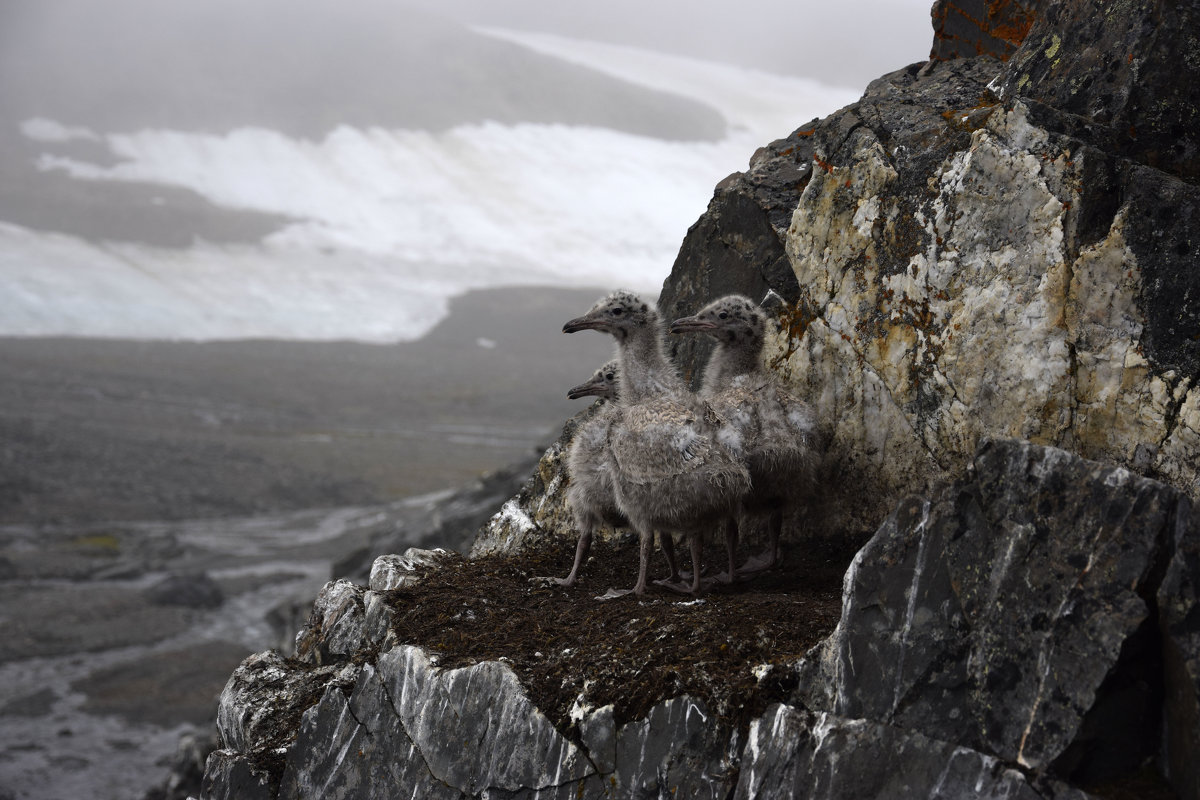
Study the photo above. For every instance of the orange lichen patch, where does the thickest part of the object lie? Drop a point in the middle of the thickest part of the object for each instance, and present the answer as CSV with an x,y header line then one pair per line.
x,y
793,321
999,31
971,118
1009,21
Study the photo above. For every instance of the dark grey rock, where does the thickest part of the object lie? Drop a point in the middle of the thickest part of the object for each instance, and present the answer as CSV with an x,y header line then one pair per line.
x,y
507,744
598,731
794,753
1164,219
229,775
264,698
679,750
336,627
377,627
190,589
1129,71
185,777
1179,617
356,747
965,28
991,615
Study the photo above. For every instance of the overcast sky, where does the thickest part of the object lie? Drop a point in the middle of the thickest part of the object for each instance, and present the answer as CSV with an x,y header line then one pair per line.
x,y
841,42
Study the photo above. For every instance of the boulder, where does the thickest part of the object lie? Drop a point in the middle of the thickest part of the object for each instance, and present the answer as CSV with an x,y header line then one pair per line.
x,y
1179,617
337,625
394,572
992,614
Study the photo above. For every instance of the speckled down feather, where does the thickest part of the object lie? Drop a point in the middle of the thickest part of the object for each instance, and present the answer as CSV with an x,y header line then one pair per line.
x,y
671,472
773,433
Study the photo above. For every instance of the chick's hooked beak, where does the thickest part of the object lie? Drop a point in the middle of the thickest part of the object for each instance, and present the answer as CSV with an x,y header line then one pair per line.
x,y
587,322
589,389
691,324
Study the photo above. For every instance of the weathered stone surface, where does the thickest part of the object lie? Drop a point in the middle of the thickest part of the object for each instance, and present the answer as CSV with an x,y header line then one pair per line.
x,y
337,625
980,307
678,750
1179,616
793,753
991,615
410,729
377,625
229,774
266,694
356,747
964,28
998,633
1128,72
396,571
476,704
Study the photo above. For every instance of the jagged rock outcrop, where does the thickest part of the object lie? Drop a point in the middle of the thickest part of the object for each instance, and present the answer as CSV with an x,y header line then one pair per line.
x,y
988,248
1005,635
992,614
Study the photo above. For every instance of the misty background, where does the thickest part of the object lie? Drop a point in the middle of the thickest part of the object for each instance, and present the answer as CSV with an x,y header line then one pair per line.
x,y
179,179
276,276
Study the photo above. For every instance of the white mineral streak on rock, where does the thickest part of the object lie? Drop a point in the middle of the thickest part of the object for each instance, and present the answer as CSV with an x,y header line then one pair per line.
x,y
501,741
910,611
506,530
394,571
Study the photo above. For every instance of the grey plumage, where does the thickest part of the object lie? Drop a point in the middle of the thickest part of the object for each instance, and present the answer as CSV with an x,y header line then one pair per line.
x,y
591,494
774,433
670,472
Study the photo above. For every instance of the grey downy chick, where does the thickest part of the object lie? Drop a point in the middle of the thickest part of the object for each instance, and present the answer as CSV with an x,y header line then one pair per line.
x,y
590,493
774,433
671,474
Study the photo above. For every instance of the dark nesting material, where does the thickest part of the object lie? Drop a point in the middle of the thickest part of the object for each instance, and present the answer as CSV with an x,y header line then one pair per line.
x,y
590,465
671,474
774,433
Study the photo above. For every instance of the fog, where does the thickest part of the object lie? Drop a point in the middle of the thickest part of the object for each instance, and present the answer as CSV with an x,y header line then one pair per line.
x,y
419,150
844,43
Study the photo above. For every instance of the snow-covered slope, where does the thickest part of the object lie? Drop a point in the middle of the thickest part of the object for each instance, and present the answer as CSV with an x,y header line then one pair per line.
x,y
387,224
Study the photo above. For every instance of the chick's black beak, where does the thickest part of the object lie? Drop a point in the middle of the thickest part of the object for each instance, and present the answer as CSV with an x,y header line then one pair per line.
x,y
581,324
689,324
583,390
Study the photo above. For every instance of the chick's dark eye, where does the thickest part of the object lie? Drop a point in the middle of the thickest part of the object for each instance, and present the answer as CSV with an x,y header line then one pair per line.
x,y
610,376
618,311
724,315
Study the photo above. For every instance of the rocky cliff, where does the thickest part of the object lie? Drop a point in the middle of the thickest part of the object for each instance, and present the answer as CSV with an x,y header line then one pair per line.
x,y
985,277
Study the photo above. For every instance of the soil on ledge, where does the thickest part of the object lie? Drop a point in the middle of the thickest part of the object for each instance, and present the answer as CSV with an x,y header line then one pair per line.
x,y
629,652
